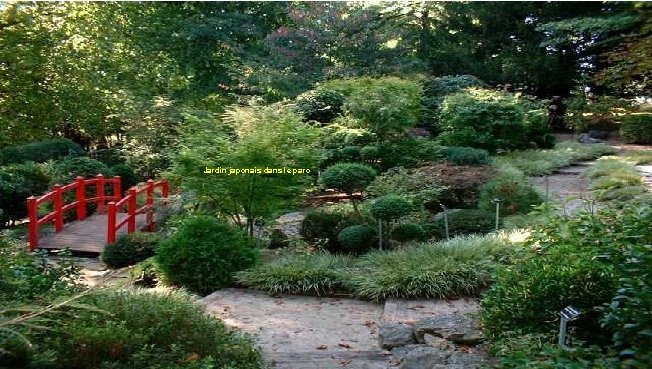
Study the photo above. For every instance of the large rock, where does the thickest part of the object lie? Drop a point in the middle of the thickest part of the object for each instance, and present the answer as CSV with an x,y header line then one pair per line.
x,y
424,357
395,334
452,327
438,342
467,360
586,139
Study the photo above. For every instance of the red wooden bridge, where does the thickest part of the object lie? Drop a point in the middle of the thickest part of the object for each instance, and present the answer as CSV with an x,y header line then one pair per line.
x,y
90,233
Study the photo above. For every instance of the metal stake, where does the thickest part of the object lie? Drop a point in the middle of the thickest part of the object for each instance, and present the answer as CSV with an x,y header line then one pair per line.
x,y
445,221
497,202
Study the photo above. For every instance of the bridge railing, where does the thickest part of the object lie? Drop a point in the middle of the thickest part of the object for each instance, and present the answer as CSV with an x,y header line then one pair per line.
x,y
130,204
57,198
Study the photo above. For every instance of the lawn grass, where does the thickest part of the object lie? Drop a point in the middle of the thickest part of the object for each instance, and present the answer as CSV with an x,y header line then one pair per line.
x,y
544,162
462,266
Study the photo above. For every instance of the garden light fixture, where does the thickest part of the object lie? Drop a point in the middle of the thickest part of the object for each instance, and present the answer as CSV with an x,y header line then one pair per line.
x,y
568,314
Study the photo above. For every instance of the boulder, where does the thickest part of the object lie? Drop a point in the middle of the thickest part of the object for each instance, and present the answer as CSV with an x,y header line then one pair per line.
x,y
395,334
586,139
456,328
424,357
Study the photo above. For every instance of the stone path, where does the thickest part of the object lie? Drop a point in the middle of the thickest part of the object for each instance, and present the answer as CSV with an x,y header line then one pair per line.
x,y
567,186
296,332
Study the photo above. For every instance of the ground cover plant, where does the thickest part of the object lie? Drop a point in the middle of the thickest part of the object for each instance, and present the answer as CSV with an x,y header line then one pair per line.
x,y
616,181
130,249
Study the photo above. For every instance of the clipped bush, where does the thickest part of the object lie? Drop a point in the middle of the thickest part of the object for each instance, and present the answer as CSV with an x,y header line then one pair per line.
x,y
17,183
127,175
321,105
348,177
390,207
322,226
40,151
513,188
414,185
466,156
406,232
369,152
357,239
459,185
485,119
637,128
464,221
129,249
136,329
67,170
349,154
204,253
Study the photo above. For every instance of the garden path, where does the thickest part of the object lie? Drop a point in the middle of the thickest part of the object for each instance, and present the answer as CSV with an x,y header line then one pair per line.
x,y
297,332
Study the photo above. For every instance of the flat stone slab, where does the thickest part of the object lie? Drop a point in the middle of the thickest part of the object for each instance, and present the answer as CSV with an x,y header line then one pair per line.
x,y
296,332
411,311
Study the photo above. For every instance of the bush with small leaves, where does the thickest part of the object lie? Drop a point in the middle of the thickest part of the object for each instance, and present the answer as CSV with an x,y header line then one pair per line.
x,y
204,253
406,232
463,221
513,188
436,89
67,170
40,151
637,128
357,239
127,176
369,152
390,207
348,177
321,105
130,249
466,156
18,182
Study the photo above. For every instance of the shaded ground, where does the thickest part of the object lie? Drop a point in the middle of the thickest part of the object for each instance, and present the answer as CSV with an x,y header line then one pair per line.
x,y
297,332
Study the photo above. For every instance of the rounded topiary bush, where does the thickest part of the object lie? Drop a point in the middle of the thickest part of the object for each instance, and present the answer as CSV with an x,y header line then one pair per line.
x,y
349,153
464,221
357,239
407,232
466,156
67,170
127,175
390,207
321,226
369,152
130,249
320,105
204,253
516,191
348,177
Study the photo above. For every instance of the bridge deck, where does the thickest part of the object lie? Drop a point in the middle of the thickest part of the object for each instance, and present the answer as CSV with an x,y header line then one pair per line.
x,y
88,235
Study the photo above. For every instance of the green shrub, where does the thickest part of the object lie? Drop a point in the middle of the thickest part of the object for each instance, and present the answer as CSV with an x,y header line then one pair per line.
x,y
357,239
204,253
459,185
320,105
513,188
390,207
348,177
317,274
147,273
369,153
128,177
616,181
436,89
17,183
349,154
322,226
384,105
485,119
129,249
637,128
466,156
28,277
135,329
40,151
464,221
67,170
414,185
406,232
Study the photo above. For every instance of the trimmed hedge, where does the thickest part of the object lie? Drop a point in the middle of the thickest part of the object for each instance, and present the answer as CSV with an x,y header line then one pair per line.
x,y
40,151
130,249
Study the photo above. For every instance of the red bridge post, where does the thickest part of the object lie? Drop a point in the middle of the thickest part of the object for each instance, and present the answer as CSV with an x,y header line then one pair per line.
x,y
100,193
117,188
131,208
150,203
81,198
58,204
110,237
32,211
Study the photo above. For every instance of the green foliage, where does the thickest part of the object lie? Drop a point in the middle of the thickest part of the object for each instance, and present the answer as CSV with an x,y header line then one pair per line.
x,y
323,225
464,221
318,274
26,277
616,181
129,249
66,171
513,188
637,128
414,185
466,156
248,137
136,329
436,89
571,261
390,207
406,232
357,239
204,253
320,105
348,177
459,185
40,151
486,119
638,157
385,105
544,162
127,176
17,183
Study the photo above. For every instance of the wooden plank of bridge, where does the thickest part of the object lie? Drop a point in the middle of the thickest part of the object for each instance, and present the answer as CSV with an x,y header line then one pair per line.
x,y
88,235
